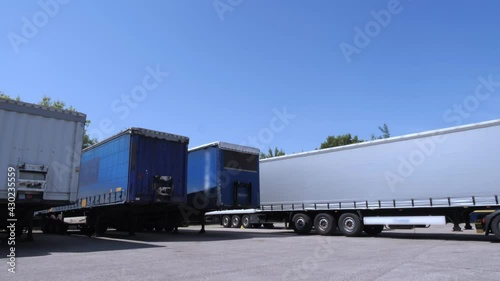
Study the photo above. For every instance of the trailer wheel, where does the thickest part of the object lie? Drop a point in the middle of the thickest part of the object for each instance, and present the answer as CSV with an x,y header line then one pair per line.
x,y
45,226
325,224
63,229
236,221
19,231
302,224
245,221
226,221
52,226
373,230
86,230
495,226
101,229
350,225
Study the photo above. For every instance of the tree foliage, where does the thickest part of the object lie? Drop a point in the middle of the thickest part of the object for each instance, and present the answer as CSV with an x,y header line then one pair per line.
x,y
340,140
384,129
7,97
272,153
48,102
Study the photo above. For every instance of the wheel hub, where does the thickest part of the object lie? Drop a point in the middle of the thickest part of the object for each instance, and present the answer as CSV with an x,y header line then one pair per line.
x,y
300,223
323,224
349,224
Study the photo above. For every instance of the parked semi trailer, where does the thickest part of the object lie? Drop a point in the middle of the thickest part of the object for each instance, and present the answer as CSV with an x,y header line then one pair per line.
x,y
131,181
221,176
436,177
40,152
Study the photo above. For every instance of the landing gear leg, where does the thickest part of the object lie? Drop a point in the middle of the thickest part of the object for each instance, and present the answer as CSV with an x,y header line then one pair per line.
x,y
131,223
30,227
456,227
96,226
468,226
456,223
30,232
202,231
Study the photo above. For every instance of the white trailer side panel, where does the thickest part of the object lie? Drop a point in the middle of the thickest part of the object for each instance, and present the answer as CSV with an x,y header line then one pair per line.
x,y
457,163
36,135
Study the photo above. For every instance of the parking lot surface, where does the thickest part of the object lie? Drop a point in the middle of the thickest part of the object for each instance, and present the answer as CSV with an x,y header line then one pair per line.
x,y
257,254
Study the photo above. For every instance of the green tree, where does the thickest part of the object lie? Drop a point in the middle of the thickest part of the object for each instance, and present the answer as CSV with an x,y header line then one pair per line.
x,y
7,97
384,129
48,102
340,140
272,153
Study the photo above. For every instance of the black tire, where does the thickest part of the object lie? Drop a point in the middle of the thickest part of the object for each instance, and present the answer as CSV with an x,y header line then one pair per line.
x,y
63,229
45,227
19,231
226,221
245,221
169,229
325,224
87,230
52,226
302,223
373,230
495,226
236,221
350,225
101,229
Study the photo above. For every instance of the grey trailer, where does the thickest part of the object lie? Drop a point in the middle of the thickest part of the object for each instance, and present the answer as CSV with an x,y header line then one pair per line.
x,y
40,152
427,178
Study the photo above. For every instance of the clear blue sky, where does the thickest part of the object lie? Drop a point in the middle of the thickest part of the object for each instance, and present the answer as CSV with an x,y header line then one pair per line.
x,y
229,71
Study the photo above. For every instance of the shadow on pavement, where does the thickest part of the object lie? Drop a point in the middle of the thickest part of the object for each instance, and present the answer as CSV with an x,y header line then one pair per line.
x,y
47,244
192,235
438,236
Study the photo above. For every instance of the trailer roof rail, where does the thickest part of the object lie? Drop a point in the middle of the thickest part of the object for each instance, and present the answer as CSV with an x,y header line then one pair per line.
x,y
143,132
228,146
36,109
390,140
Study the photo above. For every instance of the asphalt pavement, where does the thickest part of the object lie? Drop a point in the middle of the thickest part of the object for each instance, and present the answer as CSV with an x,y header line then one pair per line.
x,y
257,254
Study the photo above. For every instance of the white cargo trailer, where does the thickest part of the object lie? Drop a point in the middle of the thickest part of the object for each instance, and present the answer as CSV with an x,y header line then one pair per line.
x,y
420,179
40,150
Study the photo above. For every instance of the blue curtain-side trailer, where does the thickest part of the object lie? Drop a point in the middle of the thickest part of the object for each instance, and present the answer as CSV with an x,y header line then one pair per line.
x,y
221,176
132,181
